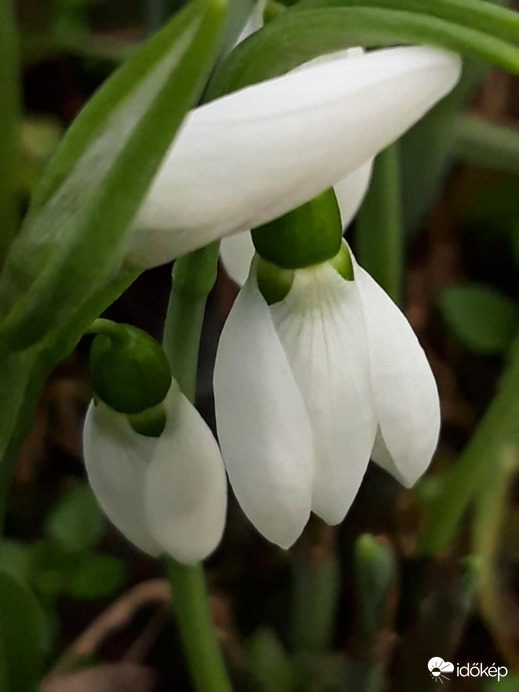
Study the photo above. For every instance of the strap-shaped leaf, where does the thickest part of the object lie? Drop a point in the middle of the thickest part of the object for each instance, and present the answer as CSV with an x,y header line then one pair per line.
x,y
21,628
72,242
297,36
476,14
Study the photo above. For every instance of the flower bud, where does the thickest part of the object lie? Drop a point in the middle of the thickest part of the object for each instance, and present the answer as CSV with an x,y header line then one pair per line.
x,y
129,371
309,235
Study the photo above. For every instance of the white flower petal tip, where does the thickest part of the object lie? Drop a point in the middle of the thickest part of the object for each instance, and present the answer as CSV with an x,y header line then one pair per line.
x,y
236,254
249,157
167,494
262,423
404,388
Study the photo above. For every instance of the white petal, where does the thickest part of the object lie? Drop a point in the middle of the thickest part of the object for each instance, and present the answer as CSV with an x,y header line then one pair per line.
x,y
236,253
350,192
262,423
321,327
404,389
249,157
185,493
117,459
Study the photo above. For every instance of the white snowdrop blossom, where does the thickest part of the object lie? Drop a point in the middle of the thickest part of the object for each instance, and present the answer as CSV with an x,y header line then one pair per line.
x,y
249,157
166,494
307,389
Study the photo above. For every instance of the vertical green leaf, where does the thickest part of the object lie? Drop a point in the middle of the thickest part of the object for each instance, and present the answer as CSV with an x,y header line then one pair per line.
x,y
72,243
21,626
10,117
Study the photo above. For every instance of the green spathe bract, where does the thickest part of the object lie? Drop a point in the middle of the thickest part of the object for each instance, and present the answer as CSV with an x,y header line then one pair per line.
x,y
72,242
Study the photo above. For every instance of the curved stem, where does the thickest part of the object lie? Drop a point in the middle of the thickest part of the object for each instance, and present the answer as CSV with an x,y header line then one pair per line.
x,y
193,278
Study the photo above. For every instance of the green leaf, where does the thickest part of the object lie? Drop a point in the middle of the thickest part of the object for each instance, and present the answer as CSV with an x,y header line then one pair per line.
x,y
268,663
483,319
487,144
21,629
76,522
483,16
428,148
510,683
10,118
297,36
97,576
315,594
72,243
16,558
52,570
496,430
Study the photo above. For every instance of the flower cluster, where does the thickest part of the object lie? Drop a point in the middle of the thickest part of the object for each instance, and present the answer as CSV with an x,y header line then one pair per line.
x,y
307,387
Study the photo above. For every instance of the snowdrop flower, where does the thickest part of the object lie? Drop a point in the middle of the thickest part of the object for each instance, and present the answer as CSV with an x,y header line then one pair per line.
x,y
249,157
166,494
312,382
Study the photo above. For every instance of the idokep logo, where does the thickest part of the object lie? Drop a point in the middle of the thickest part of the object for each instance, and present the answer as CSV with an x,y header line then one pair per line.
x,y
439,669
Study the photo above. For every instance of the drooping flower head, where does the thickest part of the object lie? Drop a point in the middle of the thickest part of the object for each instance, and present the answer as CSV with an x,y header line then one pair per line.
x,y
317,371
151,460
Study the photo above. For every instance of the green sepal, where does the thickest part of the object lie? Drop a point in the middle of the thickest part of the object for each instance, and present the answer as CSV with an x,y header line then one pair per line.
x,y
274,283
311,234
72,244
129,371
151,422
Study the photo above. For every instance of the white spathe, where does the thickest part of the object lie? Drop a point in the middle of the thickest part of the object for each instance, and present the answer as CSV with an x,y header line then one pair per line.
x,y
303,388
165,494
249,157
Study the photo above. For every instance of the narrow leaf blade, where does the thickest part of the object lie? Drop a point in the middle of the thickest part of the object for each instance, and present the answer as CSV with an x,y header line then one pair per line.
x,y
72,243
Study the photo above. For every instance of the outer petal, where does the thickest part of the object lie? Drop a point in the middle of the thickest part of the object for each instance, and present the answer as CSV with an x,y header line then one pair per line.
x,y
321,326
236,253
117,460
406,397
249,157
263,427
185,494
